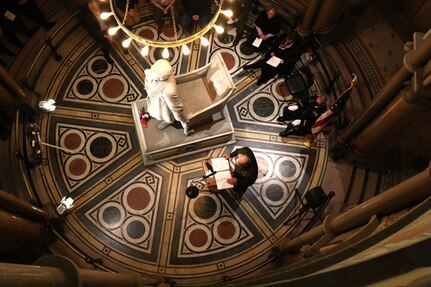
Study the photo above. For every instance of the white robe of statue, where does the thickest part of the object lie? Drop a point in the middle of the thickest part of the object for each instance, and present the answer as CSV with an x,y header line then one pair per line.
x,y
163,102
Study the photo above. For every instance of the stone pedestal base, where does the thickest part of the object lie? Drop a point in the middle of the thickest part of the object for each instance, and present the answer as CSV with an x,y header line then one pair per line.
x,y
171,143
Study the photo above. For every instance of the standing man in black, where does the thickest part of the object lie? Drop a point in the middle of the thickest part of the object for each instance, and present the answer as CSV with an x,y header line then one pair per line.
x,y
240,9
245,171
97,28
30,9
195,11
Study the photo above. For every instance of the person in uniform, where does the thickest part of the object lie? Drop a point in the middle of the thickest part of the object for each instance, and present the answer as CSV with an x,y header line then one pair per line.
x,y
302,116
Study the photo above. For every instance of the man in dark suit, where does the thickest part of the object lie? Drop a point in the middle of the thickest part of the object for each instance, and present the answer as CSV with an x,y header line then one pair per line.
x,y
289,50
195,11
30,9
245,171
240,9
302,115
266,27
97,28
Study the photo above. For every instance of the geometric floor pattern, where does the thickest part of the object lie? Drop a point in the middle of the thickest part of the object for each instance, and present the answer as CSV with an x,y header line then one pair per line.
x,y
138,218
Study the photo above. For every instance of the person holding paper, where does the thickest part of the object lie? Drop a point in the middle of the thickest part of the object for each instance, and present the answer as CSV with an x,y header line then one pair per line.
x,y
266,26
240,9
132,17
280,59
245,170
302,115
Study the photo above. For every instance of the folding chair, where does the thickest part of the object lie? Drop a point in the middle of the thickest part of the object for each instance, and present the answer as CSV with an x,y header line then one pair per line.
x,y
299,82
315,200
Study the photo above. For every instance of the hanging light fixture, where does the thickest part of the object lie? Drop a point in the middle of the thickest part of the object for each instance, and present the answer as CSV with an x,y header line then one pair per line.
x,y
176,42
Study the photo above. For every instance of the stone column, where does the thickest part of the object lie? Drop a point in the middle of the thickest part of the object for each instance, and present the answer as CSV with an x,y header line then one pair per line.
x,y
25,100
18,275
304,29
17,232
13,203
408,192
329,13
59,271
389,103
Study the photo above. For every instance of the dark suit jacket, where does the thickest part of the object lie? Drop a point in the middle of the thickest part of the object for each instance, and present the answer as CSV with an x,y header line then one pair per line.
x,y
197,7
247,174
92,24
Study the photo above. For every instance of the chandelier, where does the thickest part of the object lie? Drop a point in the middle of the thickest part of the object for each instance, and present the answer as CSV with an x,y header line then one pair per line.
x,y
176,42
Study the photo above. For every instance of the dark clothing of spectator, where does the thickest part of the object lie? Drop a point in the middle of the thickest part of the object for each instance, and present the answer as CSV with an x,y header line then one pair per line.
x,y
289,55
11,23
97,31
121,4
241,10
245,174
268,27
29,8
132,17
191,8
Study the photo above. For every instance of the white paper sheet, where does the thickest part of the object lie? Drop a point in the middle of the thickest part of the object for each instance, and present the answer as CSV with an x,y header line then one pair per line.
x,y
274,61
9,15
221,166
257,42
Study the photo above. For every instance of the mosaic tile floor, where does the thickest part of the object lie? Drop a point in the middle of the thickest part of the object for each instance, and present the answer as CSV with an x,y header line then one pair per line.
x,y
137,218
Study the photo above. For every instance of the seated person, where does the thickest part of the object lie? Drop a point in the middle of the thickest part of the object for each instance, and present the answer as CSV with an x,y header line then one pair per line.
x,y
161,7
240,9
195,11
163,102
30,9
133,17
266,26
288,50
245,170
97,28
302,116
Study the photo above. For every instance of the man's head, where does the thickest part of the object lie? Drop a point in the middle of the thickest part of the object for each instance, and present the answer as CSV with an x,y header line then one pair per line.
x,y
161,70
321,100
289,40
271,11
94,7
243,160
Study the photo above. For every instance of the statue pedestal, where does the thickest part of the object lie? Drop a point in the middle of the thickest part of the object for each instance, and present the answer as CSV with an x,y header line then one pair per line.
x,y
171,143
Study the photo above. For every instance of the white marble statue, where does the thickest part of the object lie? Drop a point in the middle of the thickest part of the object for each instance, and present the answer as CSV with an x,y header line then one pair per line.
x,y
163,102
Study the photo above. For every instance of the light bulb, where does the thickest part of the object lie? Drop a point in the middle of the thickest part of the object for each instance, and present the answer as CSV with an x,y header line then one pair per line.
x,y
219,29
113,30
204,41
186,50
165,53
105,15
144,51
126,43
227,13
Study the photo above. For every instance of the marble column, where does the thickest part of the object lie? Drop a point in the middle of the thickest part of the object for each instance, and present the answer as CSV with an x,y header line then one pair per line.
x,y
17,232
391,110
22,207
304,29
25,100
406,193
60,271
330,12
19,275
